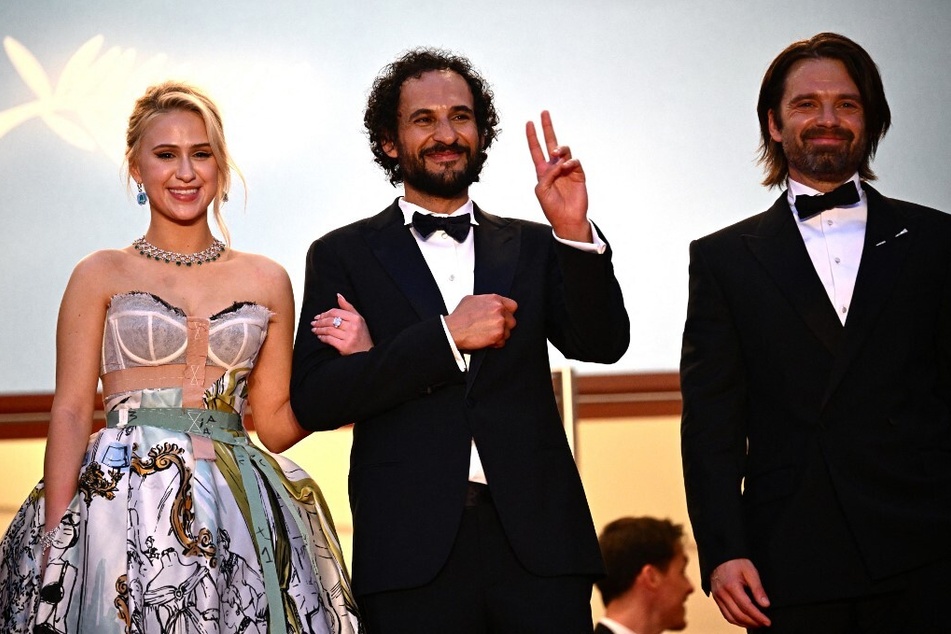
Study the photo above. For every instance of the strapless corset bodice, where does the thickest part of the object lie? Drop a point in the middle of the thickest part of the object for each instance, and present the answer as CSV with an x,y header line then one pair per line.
x,y
154,355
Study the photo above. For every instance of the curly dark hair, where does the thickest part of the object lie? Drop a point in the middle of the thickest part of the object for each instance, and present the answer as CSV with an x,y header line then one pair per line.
x,y
380,117
863,72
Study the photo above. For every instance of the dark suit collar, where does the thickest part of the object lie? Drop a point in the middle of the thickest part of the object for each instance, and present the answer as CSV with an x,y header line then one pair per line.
x,y
391,215
889,234
778,245
396,249
496,256
496,253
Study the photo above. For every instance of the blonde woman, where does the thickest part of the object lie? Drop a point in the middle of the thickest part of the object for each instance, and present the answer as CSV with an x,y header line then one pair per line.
x,y
170,520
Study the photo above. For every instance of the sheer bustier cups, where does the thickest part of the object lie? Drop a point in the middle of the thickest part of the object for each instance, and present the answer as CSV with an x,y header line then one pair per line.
x,y
154,355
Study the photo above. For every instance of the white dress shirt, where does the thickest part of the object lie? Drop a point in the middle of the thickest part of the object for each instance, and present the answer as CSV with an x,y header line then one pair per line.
x,y
453,267
615,627
834,239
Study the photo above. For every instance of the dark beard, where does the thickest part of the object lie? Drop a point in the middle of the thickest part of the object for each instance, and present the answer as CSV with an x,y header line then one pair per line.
x,y
446,183
829,165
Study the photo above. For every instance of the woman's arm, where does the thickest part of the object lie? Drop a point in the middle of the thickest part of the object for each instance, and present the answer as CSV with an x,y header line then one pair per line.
x,y
78,348
269,383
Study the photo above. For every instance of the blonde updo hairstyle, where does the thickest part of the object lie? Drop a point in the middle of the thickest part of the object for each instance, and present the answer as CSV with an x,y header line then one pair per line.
x,y
170,96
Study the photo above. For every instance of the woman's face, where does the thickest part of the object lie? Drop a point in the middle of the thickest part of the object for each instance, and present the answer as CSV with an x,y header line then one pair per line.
x,y
176,167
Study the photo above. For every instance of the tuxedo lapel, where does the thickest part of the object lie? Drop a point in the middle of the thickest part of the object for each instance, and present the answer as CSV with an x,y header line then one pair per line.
x,y
496,255
888,237
779,248
396,249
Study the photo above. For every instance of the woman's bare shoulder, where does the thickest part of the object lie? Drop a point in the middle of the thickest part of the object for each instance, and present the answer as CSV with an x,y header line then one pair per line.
x,y
259,265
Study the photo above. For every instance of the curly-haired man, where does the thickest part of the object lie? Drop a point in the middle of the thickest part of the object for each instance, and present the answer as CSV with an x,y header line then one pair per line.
x,y
468,511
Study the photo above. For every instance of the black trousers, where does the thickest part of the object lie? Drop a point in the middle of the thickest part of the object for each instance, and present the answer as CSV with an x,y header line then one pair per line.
x,y
913,602
482,589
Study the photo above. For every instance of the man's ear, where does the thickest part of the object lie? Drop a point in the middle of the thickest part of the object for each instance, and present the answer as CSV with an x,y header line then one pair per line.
x,y
650,576
389,148
775,127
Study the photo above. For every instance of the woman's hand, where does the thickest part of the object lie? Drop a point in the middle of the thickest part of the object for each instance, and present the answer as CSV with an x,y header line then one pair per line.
x,y
343,328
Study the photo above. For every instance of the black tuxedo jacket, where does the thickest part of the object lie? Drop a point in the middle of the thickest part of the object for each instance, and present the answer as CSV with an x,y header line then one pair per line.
x,y
415,412
820,451
601,628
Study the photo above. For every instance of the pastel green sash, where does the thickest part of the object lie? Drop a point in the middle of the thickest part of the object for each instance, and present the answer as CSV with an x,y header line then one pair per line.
x,y
227,428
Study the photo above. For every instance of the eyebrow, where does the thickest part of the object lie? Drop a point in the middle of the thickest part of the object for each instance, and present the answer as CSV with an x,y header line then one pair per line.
x,y
174,146
815,95
459,108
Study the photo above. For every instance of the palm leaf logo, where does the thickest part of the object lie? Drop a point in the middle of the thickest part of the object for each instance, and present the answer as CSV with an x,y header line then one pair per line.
x,y
90,98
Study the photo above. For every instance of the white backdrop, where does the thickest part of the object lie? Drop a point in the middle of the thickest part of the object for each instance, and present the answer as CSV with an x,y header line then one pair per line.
x,y
656,98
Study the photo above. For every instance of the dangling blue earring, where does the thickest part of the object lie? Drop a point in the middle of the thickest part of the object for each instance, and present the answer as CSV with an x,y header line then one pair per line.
x,y
141,198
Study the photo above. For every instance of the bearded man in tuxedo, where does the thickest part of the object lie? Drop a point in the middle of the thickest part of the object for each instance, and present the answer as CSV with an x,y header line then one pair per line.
x,y
816,374
469,514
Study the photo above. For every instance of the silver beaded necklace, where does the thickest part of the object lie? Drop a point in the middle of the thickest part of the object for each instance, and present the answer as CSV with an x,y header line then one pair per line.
x,y
149,250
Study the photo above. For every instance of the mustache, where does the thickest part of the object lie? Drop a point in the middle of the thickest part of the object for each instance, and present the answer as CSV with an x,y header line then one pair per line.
x,y
444,147
827,133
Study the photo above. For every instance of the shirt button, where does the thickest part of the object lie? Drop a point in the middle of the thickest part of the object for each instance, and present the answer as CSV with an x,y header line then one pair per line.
x,y
844,309
452,278
837,260
829,222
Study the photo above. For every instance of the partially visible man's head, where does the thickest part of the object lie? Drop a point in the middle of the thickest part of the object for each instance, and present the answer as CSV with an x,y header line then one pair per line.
x,y
645,554
778,147
381,118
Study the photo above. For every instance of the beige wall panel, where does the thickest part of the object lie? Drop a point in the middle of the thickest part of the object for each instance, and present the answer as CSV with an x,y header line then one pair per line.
x,y
631,466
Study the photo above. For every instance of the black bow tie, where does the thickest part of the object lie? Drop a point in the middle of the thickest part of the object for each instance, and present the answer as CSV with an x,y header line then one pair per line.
x,y
843,195
456,226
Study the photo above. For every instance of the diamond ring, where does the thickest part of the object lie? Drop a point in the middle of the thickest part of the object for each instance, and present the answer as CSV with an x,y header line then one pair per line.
x,y
337,321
